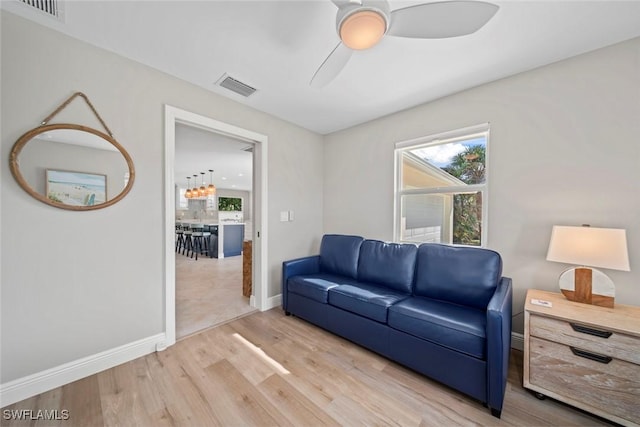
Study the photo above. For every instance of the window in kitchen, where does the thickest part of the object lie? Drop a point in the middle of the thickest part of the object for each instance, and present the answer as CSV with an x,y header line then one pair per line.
x,y
441,188
183,202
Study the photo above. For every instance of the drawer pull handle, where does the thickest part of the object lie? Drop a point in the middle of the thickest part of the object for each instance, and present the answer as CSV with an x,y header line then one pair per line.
x,y
590,331
592,356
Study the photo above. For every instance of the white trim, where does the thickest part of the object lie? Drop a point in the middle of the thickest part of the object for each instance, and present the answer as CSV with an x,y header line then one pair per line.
x,y
260,264
274,301
484,235
271,302
170,218
175,115
467,188
517,341
31,385
443,136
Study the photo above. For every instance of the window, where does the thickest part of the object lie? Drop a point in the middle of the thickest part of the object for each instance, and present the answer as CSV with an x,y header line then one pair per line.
x,y
183,202
441,188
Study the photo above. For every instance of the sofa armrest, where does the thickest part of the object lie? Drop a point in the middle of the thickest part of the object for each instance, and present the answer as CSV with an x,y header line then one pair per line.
x,y
297,267
498,343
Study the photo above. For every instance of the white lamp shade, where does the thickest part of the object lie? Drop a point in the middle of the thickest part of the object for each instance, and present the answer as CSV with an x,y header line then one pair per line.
x,y
589,246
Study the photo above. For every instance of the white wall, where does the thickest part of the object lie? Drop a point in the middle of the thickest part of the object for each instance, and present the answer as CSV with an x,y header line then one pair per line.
x,y
77,283
563,150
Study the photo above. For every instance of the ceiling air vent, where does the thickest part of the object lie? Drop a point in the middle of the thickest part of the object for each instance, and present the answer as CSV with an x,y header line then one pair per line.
x,y
50,7
236,86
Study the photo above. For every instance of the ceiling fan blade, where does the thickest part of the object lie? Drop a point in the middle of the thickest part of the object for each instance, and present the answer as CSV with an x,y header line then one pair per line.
x,y
331,66
441,20
343,3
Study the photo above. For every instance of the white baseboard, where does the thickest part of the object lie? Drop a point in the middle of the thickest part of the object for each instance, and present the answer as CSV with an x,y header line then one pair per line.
x,y
272,302
275,301
23,388
517,341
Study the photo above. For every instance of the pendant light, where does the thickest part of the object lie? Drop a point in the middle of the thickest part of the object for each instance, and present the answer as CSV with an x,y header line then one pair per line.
x,y
194,190
211,189
188,194
202,192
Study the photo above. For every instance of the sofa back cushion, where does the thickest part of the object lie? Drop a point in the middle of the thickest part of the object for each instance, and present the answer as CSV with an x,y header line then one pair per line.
x,y
387,264
339,254
461,275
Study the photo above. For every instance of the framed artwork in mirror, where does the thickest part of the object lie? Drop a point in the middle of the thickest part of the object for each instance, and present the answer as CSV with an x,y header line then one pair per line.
x,y
76,188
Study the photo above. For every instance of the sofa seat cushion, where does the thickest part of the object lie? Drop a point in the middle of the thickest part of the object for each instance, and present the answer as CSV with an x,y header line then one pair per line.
x,y
316,286
454,326
365,299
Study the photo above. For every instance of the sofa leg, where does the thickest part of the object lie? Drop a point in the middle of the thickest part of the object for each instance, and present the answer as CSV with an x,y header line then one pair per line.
x,y
287,313
496,412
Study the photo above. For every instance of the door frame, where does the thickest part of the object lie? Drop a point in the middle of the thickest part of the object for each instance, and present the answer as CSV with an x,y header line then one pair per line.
x,y
259,297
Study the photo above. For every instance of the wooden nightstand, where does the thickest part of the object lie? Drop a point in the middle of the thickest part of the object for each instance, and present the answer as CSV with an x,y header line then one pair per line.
x,y
584,355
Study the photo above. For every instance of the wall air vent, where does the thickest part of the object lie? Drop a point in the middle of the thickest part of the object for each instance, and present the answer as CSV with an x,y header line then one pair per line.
x,y
236,86
52,8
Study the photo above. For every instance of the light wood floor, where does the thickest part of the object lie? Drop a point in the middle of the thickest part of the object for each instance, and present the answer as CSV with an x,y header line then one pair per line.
x,y
267,369
208,293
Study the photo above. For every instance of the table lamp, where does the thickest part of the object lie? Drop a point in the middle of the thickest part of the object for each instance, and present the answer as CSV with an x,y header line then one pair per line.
x,y
589,247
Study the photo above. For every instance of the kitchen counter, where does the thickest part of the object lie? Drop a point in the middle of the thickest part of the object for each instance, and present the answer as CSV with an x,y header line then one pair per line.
x,y
226,237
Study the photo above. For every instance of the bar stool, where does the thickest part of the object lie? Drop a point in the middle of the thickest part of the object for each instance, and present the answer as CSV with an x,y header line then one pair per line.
x,y
179,237
200,240
188,241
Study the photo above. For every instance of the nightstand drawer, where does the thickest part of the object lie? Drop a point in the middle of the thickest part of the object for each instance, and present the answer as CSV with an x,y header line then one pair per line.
x,y
605,384
597,340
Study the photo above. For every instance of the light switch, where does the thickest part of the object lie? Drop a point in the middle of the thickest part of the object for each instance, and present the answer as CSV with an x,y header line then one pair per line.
x,y
284,216
290,215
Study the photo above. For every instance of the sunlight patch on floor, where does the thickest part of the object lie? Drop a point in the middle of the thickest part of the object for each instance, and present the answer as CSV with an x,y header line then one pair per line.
x,y
260,353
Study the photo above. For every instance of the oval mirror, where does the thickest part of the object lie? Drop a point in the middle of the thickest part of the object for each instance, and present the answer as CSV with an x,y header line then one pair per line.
x,y
72,166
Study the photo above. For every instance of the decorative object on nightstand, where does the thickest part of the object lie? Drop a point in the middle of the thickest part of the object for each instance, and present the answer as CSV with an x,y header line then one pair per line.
x,y
583,355
589,247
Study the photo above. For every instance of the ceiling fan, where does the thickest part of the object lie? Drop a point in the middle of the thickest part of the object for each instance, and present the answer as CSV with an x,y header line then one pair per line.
x,y
361,24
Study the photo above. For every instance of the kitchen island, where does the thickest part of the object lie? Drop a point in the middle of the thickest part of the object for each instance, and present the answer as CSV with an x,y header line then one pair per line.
x,y
225,239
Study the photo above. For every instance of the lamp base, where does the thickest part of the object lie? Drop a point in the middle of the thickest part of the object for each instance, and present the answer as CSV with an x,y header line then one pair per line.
x,y
588,286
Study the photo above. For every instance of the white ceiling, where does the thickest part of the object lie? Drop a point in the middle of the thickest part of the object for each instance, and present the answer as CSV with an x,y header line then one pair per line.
x,y
276,46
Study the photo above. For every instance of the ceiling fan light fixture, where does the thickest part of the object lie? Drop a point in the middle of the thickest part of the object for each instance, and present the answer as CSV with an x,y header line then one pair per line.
x,y
362,29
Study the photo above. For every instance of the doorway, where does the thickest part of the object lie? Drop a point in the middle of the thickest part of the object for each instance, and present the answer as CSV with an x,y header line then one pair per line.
x,y
209,285
258,143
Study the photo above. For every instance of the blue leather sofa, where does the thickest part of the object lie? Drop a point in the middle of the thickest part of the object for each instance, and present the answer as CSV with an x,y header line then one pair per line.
x,y
443,311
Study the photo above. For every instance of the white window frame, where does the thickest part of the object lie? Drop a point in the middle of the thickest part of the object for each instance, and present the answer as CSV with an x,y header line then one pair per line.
x,y
462,134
